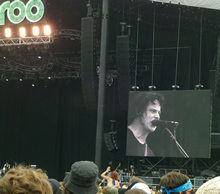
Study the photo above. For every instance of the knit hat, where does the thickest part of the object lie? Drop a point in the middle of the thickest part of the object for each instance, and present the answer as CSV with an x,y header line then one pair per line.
x,y
82,178
211,186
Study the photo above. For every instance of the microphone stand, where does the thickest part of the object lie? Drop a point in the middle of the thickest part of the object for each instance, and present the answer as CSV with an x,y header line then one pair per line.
x,y
177,144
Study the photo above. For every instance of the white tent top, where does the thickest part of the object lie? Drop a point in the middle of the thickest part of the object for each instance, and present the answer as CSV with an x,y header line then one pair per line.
x,y
210,4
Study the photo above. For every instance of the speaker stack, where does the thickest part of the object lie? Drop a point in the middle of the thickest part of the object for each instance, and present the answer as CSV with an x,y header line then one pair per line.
x,y
89,75
123,63
111,141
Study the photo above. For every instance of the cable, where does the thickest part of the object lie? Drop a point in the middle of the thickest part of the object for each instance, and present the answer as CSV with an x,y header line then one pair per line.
x,y
152,76
138,21
177,51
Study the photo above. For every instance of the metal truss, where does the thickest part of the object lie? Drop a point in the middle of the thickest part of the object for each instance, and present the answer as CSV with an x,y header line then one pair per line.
x,y
32,76
67,33
113,73
67,63
64,33
32,68
25,41
16,64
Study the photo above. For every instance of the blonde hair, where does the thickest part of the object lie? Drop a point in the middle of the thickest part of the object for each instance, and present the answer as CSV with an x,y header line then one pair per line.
x,y
105,189
25,180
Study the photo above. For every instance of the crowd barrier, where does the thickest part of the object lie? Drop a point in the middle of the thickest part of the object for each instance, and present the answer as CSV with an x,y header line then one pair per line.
x,y
154,181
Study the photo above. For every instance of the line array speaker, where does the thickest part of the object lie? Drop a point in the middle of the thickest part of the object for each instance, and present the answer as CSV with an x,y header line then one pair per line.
x,y
123,52
89,75
111,141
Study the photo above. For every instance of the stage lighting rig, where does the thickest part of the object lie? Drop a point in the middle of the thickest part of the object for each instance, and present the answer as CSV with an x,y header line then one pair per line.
x,y
26,35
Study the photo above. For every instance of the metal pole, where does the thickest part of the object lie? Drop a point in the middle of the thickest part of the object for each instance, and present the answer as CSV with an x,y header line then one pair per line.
x,y
101,94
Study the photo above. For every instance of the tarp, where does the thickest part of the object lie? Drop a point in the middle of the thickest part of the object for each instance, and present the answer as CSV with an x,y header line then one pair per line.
x,y
210,4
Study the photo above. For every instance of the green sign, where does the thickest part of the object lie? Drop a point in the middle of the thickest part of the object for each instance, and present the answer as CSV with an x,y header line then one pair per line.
x,y
17,11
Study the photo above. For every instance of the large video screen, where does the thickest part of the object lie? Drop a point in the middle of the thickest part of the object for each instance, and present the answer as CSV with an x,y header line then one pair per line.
x,y
169,124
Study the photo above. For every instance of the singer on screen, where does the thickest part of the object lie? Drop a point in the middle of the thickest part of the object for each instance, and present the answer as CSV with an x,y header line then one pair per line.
x,y
147,108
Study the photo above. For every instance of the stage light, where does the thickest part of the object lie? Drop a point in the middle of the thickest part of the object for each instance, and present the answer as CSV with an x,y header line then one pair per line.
x,y
7,32
47,30
36,31
152,87
175,87
22,32
135,88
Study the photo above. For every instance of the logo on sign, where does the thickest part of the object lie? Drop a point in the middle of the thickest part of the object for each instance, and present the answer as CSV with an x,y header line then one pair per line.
x,y
17,11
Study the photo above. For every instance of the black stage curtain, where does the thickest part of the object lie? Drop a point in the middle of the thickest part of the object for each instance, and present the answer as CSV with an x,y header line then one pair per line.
x,y
47,126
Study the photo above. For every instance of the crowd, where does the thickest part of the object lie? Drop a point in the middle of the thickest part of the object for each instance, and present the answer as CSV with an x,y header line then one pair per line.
x,y
83,179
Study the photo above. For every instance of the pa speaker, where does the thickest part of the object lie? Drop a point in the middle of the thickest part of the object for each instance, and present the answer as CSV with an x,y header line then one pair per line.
x,y
88,74
111,141
123,55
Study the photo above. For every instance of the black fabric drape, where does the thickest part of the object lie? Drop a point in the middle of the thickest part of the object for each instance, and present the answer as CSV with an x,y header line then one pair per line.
x,y
47,126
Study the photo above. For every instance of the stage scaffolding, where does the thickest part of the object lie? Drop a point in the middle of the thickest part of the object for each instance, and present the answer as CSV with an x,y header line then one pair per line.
x,y
192,167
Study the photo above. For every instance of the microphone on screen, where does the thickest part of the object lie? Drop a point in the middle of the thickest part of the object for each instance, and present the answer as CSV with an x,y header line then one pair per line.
x,y
164,123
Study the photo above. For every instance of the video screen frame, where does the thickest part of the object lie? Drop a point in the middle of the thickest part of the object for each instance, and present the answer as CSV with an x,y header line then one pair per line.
x,y
183,125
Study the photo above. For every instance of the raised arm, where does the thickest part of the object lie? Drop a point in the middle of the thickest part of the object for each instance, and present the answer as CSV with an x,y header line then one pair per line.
x,y
103,175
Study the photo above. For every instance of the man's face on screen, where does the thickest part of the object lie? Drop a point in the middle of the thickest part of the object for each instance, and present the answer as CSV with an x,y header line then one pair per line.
x,y
152,112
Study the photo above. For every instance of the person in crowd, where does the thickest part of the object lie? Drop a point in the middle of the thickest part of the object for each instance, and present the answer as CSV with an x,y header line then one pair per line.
x,y
136,185
112,190
153,190
105,189
132,180
6,167
61,188
82,179
132,170
148,108
125,176
175,182
23,179
55,185
100,190
113,180
135,191
212,186
195,190
136,179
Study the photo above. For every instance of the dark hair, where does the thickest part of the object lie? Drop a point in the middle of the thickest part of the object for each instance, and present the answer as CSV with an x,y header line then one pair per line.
x,y
173,180
144,99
